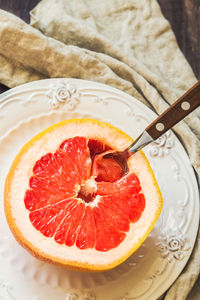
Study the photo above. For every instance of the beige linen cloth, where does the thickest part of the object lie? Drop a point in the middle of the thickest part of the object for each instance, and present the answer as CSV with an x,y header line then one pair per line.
x,y
126,44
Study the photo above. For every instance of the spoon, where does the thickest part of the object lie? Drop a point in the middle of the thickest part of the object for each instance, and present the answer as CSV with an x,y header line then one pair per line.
x,y
170,117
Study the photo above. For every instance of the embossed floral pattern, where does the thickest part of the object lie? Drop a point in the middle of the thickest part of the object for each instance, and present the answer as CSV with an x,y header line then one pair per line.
x,y
173,245
64,93
162,145
99,99
80,296
6,291
124,297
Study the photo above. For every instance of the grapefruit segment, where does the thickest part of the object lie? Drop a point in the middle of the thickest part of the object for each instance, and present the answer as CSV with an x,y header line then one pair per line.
x,y
114,214
128,184
66,167
87,233
68,205
47,219
107,236
32,201
62,230
73,224
46,166
78,154
50,190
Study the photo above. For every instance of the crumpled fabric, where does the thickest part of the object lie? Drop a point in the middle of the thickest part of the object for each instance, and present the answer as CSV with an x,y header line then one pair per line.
x,y
125,44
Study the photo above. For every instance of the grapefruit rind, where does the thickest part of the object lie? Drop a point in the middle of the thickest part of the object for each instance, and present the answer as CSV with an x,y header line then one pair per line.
x,y
46,249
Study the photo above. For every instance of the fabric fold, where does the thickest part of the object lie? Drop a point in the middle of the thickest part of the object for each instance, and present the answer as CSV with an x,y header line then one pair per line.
x,y
125,44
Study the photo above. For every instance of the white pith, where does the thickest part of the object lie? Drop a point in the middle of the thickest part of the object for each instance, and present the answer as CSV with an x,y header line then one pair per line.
x,y
89,187
49,143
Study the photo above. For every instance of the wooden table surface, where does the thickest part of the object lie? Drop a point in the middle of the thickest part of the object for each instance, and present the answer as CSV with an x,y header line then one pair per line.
x,y
183,15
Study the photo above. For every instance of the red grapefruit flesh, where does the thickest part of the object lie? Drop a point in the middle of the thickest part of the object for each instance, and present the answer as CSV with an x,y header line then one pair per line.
x,y
58,177
71,198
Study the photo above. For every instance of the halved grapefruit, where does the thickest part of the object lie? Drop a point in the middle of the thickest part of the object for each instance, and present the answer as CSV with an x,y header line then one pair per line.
x,y
67,205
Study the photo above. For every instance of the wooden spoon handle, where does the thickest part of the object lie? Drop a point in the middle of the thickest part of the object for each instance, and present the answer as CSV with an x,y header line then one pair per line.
x,y
176,112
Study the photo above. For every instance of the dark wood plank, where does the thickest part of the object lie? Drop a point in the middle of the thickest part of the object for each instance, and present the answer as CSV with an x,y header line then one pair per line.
x,y
20,8
183,15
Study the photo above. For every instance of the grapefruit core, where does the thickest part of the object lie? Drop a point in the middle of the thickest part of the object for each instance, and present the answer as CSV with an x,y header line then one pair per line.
x,y
67,205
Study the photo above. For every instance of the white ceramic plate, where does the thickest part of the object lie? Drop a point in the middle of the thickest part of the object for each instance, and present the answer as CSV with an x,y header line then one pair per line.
x,y
148,273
